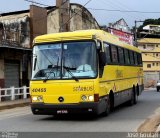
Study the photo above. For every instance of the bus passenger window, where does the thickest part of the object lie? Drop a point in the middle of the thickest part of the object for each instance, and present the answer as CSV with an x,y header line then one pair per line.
x,y
135,58
114,54
131,57
107,52
126,54
139,59
121,55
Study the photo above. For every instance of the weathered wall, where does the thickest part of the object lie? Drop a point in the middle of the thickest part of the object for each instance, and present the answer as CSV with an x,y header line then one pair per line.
x,y
150,78
80,19
76,21
53,22
15,30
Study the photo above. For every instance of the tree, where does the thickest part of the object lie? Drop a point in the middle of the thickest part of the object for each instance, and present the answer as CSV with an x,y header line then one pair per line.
x,y
147,22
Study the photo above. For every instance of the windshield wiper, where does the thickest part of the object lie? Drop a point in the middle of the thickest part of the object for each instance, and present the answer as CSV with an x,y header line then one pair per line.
x,y
68,70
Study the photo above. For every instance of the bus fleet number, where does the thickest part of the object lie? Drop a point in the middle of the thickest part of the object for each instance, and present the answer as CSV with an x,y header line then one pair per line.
x,y
39,90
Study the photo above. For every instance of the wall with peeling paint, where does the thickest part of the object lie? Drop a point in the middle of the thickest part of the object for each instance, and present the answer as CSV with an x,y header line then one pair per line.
x,y
15,31
80,19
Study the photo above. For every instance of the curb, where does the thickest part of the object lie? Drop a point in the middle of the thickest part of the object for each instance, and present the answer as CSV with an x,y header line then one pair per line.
x,y
14,104
151,123
158,129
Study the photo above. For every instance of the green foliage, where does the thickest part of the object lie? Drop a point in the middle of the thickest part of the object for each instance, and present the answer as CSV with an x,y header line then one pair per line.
x,y
147,22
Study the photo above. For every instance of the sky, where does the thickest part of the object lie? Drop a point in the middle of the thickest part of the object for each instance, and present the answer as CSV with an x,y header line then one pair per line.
x,y
103,17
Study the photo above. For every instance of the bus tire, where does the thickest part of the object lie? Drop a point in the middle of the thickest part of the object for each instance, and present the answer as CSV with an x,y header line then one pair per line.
x,y
133,99
111,100
136,92
107,109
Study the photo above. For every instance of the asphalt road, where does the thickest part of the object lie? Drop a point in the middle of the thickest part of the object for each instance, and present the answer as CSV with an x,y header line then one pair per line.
x,y
123,119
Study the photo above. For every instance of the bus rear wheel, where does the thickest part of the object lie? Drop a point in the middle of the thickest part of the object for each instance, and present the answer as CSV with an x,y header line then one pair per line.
x,y
134,97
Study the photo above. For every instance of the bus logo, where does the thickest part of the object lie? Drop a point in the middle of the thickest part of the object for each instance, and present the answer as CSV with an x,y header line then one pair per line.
x,y
60,99
83,88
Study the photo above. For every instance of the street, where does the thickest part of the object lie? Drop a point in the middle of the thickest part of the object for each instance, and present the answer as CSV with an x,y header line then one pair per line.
x,y
123,119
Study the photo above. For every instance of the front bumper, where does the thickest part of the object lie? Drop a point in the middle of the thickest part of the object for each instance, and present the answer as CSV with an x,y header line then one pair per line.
x,y
54,109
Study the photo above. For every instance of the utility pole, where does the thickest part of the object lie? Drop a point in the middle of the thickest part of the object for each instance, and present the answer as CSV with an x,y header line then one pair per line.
x,y
135,31
64,14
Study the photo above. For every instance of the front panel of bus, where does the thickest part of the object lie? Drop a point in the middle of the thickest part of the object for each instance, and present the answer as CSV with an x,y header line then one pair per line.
x,y
64,77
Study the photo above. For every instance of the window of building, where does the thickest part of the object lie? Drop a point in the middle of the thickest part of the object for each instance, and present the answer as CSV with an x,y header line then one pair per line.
x,y
148,65
144,47
157,63
153,64
154,54
157,54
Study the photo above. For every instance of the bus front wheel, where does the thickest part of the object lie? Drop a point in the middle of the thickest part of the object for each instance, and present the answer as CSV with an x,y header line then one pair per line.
x,y
107,108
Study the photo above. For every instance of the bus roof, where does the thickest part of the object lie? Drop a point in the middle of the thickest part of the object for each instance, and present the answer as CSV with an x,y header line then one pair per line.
x,y
84,35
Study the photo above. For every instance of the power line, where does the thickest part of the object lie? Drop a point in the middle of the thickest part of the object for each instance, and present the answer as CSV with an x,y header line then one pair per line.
x,y
31,1
129,11
117,6
128,8
87,3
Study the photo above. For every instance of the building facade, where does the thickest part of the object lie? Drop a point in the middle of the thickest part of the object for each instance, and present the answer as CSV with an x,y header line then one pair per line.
x,y
121,29
66,16
150,48
151,29
120,25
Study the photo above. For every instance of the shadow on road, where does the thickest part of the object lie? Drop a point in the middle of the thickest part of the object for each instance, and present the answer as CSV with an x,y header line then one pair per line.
x,y
147,103
84,117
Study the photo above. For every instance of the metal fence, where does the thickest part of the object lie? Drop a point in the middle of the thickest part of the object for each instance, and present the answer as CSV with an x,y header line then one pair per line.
x,y
13,93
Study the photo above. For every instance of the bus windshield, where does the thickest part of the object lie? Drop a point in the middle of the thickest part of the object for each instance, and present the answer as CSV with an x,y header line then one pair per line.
x,y
64,61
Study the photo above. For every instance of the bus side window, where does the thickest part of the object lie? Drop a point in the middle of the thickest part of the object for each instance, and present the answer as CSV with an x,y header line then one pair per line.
x,y
126,54
131,57
139,59
135,58
114,54
107,52
121,55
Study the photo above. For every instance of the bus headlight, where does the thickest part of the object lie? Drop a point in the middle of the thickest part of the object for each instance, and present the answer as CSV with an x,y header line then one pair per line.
x,y
37,98
90,98
84,98
34,98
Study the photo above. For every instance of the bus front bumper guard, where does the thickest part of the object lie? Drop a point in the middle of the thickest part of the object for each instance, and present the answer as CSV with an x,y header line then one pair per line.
x,y
55,109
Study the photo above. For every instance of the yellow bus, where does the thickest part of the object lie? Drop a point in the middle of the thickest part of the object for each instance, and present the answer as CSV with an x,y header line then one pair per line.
x,y
88,71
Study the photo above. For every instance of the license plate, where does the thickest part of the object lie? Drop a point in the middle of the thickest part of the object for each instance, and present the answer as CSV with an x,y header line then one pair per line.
x,y
62,111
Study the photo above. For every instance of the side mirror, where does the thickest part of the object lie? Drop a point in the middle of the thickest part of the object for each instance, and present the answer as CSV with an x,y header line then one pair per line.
x,y
102,59
35,62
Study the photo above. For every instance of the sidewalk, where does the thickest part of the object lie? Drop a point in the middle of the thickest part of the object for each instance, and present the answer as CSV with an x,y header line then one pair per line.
x,y
150,88
152,123
13,104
